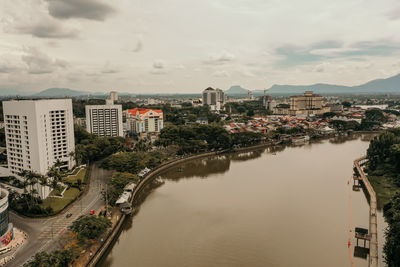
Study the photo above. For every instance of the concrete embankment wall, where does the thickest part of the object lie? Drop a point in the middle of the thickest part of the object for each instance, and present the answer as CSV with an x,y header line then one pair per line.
x,y
373,224
115,231
135,194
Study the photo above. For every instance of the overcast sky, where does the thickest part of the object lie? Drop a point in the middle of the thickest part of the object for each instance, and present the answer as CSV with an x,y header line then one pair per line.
x,y
184,46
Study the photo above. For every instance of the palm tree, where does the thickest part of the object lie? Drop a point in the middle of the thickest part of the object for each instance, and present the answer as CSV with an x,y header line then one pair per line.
x,y
43,184
72,155
25,184
24,174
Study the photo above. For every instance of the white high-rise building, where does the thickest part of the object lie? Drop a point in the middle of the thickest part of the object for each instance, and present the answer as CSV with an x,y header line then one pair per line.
x,y
104,120
113,96
215,98
38,133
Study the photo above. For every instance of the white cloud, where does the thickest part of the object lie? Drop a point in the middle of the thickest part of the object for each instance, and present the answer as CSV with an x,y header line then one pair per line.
x,y
109,69
36,21
87,9
220,58
39,63
139,45
234,38
7,66
220,73
158,64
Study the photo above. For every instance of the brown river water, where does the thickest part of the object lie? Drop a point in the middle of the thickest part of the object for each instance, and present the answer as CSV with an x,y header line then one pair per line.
x,y
279,206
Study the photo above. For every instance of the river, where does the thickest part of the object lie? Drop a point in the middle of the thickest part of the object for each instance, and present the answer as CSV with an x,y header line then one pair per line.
x,y
281,206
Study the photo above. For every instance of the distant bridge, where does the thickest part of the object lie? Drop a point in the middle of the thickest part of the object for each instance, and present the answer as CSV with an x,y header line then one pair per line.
x,y
373,225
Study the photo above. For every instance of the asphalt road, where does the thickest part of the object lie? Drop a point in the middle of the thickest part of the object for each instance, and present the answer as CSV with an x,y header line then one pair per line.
x,y
43,234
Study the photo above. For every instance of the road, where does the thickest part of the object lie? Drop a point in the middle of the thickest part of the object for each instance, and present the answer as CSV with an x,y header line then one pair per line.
x,y
43,233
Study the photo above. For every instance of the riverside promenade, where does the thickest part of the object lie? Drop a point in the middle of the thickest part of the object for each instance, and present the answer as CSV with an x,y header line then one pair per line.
x,y
135,194
373,225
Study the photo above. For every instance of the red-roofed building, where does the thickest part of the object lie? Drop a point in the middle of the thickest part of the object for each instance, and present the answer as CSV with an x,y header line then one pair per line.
x,y
144,121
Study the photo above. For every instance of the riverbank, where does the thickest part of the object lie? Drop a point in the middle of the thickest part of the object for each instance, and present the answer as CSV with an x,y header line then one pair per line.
x,y
373,221
151,175
384,187
155,172
250,208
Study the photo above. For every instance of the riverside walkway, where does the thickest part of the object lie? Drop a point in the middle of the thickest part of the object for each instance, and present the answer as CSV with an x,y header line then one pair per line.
x,y
151,175
373,225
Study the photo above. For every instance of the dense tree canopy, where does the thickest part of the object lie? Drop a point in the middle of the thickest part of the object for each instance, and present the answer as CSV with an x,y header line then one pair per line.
x,y
133,161
117,184
384,162
345,125
384,152
375,115
2,138
249,108
246,138
179,116
346,104
392,245
90,226
90,147
78,105
57,258
195,138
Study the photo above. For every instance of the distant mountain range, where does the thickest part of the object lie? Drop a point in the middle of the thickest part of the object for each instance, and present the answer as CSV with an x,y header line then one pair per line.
x,y
236,90
380,86
60,92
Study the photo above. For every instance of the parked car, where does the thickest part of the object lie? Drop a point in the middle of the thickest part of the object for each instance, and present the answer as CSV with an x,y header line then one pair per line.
x,y
68,215
91,212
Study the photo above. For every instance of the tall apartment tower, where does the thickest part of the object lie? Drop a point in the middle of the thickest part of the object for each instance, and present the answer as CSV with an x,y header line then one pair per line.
x,y
215,98
113,96
104,120
38,133
306,104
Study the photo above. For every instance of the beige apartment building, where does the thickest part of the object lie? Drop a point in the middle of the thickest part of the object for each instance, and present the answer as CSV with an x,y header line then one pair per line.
x,y
305,104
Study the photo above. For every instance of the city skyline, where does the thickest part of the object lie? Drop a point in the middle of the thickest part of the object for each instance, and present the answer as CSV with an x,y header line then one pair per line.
x,y
184,47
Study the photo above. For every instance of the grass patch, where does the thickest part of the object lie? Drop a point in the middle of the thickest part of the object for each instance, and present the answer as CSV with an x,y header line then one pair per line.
x,y
57,204
384,187
73,179
57,192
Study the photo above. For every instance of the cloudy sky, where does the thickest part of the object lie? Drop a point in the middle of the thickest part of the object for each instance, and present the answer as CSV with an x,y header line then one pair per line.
x,y
183,46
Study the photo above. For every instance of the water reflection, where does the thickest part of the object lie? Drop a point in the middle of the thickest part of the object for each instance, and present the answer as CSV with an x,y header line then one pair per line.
x,y
278,206
342,139
200,168
244,156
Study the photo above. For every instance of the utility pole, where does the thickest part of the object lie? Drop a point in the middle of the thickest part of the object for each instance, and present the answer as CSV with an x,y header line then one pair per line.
x,y
106,201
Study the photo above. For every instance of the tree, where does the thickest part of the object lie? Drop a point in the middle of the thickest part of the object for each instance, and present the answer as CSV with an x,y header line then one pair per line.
x,y
117,184
57,258
375,115
391,248
384,161
383,149
328,115
90,226
2,138
195,138
246,138
346,104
